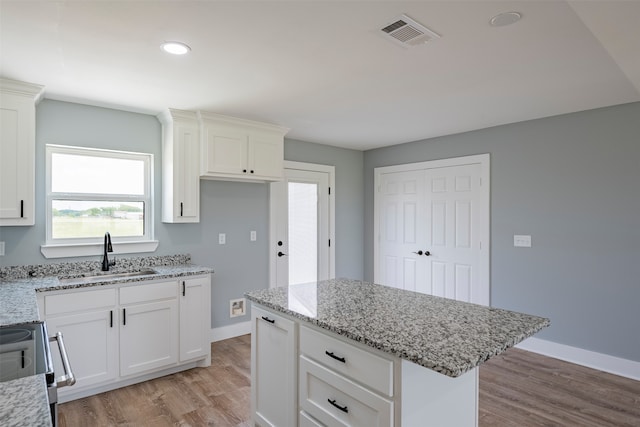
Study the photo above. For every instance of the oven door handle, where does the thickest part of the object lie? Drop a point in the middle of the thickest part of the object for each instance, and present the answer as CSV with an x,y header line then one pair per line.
x,y
68,379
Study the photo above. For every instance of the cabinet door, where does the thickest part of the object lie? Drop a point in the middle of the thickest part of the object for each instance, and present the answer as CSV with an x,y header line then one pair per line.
x,y
225,151
92,346
17,160
266,156
274,394
185,169
148,336
195,318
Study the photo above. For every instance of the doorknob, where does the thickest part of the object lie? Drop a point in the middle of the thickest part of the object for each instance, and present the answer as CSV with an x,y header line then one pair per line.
x,y
419,252
280,254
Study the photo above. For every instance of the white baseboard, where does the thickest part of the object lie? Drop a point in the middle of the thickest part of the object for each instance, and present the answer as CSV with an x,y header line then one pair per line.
x,y
231,331
591,359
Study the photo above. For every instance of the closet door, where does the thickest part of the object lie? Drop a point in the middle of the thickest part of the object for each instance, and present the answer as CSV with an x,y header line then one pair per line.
x,y
431,222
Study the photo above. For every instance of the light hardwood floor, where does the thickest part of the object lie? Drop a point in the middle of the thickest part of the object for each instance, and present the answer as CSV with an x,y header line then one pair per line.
x,y
517,388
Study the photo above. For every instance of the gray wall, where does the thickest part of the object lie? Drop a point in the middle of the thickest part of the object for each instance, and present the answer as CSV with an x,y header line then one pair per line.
x,y
573,183
226,207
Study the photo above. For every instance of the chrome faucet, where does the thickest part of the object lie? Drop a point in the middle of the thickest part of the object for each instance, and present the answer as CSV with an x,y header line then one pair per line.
x,y
107,248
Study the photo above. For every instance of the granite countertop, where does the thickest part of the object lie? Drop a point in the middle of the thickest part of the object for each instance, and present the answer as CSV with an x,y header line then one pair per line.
x,y
23,402
447,336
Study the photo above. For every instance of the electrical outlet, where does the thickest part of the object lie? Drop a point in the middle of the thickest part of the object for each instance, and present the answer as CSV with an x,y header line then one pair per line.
x,y
237,307
222,238
522,241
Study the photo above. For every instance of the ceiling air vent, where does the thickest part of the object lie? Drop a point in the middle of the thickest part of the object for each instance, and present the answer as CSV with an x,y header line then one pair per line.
x,y
407,33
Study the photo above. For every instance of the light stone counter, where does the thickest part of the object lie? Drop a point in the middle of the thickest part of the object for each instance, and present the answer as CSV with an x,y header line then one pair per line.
x,y
446,336
23,402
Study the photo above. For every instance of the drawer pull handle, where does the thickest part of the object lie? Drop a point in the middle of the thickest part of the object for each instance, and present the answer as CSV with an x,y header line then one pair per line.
x,y
333,356
342,408
266,319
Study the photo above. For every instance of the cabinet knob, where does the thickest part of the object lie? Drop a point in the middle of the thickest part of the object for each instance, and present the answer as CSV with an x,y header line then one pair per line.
x,y
251,170
244,171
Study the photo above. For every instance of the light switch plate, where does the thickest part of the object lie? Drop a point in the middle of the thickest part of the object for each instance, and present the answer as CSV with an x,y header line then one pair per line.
x,y
253,236
1,248
222,238
521,241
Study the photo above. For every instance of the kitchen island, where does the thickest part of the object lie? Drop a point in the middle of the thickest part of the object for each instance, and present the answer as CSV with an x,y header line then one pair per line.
x,y
348,352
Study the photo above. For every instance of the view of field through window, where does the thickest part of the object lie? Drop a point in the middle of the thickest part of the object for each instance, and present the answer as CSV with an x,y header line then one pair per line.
x,y
94,192
81,219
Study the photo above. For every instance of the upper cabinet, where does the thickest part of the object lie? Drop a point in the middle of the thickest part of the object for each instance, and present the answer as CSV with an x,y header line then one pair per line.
x,y
17,151
237,149
180,165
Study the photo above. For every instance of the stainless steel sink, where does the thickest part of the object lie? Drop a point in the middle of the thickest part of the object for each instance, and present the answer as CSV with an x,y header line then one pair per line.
x,y
92,277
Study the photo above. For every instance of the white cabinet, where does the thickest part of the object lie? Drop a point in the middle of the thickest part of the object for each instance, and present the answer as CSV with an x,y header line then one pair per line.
x,y
273,369
180,165
237,149
195,318
149,327
343,385
341,382
17,151
87,319
120,334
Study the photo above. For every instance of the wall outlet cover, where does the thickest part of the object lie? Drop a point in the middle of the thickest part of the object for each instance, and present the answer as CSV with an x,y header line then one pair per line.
x,y
521,241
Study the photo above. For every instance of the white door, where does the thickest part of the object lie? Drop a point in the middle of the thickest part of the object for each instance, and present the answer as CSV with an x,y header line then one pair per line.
x,y
301,225
401,230
433,228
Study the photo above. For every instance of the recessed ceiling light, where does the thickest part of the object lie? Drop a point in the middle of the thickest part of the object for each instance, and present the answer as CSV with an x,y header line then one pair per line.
x,y
506,18
175,48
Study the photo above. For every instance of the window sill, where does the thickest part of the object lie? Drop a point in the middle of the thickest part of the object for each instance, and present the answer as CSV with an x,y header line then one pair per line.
x,y
91,249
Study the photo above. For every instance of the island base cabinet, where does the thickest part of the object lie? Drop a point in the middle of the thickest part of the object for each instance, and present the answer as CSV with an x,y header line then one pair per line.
x,y
337,401
433,399
273,370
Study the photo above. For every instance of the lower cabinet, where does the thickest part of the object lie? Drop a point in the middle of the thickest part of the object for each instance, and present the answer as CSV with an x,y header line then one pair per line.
x,y
195,318
88,321
120,334
149,327
273,369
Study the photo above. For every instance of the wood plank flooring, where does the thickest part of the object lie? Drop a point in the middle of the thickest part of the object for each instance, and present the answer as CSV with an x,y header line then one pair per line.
x,y
517,388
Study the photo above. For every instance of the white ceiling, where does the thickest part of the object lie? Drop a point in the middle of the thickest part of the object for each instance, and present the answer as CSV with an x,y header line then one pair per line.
x,y
322,69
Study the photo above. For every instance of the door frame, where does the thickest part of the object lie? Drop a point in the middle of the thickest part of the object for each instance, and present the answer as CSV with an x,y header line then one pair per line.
x,y
311,167
484,160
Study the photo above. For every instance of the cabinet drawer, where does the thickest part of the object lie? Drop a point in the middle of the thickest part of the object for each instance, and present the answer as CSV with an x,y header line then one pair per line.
x,y
151,292
306,420
337,401
79,301
367,368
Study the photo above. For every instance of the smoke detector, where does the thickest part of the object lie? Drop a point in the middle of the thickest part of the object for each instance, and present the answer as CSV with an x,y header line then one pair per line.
x,y
406,32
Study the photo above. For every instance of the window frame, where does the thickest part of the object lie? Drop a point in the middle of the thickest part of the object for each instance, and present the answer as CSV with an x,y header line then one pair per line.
x,y
66,247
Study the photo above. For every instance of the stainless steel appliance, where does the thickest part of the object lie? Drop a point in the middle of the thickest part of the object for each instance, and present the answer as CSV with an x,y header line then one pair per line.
x,y
25,351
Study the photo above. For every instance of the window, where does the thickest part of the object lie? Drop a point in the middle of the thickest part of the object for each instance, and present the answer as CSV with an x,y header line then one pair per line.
x,y
90,192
